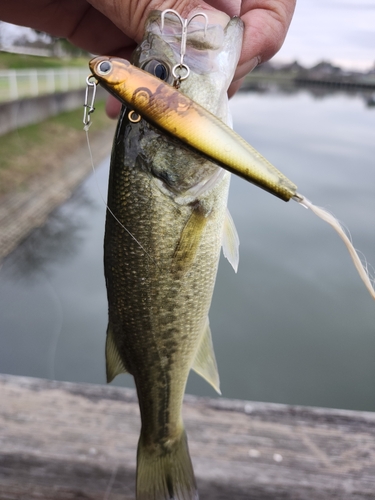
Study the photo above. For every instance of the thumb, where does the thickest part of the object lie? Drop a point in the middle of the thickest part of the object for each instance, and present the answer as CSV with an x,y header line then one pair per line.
x,y
131,15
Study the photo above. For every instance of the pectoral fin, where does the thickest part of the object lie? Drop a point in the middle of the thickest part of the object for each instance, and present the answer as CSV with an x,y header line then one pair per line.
x,y
114,364
205,361
188,244
231,242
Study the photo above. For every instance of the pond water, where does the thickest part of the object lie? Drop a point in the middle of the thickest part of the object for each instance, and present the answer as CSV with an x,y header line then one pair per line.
x,y
294,325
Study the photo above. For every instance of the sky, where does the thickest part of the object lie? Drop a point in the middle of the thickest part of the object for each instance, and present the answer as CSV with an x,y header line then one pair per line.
x,y
341,31
9,33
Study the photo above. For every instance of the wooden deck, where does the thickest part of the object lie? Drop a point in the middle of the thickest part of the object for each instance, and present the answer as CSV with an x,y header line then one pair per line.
x,y
65,441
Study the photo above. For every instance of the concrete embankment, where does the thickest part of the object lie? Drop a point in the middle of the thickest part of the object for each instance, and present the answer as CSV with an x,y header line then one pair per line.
x,y
22,210
17,114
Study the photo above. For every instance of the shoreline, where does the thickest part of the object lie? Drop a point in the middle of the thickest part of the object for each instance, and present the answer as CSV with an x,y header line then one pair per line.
x,y
23,211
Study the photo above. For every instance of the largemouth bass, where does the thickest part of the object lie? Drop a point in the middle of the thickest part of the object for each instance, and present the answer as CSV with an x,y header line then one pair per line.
x,y
193,125
166,222
200,130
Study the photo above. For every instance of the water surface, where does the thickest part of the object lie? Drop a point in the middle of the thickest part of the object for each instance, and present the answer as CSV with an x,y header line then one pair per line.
x,y
295,325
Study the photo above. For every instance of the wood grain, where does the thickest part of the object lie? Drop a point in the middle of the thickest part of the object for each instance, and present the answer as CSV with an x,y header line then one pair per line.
x,y
65,441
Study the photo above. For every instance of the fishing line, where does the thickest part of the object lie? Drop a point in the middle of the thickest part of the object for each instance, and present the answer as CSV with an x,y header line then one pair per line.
x,y
266,181
56,336
333,222
110,483
86,129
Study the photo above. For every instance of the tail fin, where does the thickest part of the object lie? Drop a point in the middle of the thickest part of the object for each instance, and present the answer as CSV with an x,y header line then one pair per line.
x,y
165,474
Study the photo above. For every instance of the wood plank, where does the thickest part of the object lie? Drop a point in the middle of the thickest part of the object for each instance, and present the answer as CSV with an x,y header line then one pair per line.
x,y
61,440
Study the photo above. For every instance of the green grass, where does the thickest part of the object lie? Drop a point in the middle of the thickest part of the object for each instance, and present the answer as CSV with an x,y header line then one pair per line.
x,y
21,61
73,119
27,152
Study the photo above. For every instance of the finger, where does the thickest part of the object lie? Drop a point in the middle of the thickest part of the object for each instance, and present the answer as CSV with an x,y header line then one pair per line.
x,y
97,34
76,20
112,107
266,25
130,15
244,67
230,7
234,87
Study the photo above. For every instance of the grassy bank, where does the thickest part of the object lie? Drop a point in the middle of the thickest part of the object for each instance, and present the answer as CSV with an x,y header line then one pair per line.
x,y
23,61
31,151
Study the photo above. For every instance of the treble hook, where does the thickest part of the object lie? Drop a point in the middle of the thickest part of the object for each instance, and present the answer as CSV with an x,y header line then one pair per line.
x,y
184,23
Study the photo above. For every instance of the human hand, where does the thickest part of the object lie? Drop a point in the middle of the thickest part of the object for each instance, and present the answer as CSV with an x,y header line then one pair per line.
x,y
266,23
115,27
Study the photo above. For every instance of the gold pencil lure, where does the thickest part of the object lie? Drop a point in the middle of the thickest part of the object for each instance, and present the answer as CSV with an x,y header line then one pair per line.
x,y
176,114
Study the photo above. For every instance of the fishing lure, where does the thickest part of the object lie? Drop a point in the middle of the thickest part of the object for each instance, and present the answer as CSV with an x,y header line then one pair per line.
x,y
178,116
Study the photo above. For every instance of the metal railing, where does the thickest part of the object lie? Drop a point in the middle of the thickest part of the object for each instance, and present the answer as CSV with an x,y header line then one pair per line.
x,y
18,83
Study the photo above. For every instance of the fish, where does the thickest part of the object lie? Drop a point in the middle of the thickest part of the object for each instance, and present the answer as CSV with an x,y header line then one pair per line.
x,y
160,278
166,222
192,124
201,131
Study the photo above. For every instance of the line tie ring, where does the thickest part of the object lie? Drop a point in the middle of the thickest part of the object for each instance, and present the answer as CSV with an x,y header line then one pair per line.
x,y
181,67
134,117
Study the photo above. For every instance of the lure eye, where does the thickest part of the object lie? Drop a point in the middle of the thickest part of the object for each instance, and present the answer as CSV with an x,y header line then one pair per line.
x,y
157,68
104,67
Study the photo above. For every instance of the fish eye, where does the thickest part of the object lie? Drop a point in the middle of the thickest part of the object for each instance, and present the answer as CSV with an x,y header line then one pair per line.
x,y
157,69
161,71
104,67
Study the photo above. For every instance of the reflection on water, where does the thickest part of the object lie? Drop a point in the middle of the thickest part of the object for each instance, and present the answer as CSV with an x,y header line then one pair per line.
x,y
317,92
295,325
52,294
56,241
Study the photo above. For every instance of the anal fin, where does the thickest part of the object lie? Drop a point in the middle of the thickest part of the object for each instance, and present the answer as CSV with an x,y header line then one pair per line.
x,y
114,364
205,362
231,242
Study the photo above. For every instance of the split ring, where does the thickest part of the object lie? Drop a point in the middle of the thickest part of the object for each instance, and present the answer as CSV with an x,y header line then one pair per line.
x,y
137,118
181,66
